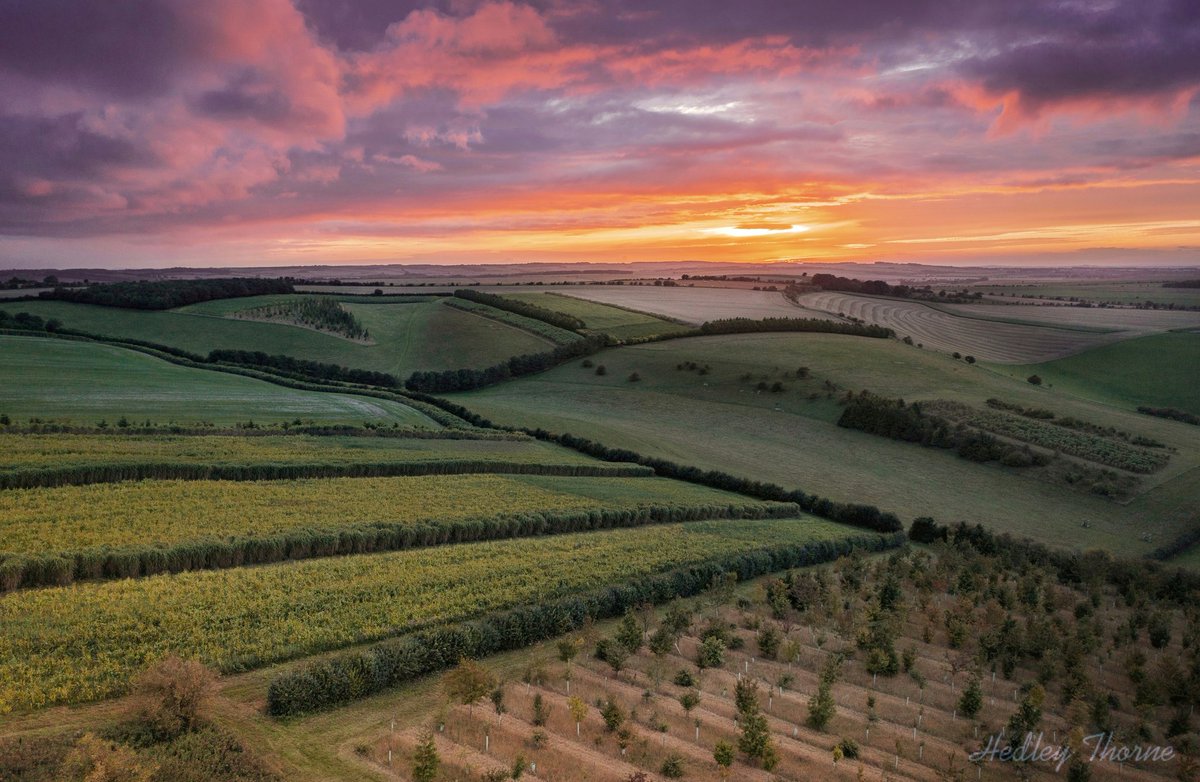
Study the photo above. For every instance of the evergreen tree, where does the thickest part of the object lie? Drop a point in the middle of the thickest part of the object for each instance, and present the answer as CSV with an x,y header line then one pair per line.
x,y
425,760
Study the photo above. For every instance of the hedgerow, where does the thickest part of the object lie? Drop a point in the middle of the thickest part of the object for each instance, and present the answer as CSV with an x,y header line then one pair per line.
x,y
347,677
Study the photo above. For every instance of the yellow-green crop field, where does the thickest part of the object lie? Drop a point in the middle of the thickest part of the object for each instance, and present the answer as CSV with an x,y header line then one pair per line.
x,y
142,513
83,642
19,451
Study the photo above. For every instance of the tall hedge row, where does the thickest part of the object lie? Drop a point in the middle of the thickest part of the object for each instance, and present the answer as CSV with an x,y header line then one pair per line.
x,y
524,308
34,477
61,568
346,677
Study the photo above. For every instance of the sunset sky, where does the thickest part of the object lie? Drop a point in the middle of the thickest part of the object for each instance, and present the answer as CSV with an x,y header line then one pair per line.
x,y
264,132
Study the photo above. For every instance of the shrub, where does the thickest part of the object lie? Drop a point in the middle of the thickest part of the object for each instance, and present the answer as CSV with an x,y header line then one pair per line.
x,y
672,766
170,696
1034,380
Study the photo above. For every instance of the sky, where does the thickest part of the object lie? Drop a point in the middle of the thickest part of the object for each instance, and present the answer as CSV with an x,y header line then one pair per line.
x,y
148,133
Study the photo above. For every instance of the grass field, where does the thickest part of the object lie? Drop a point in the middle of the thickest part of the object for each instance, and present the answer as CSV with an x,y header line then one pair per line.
x,y
407,337
83,642
1160,370
696,305
19,451
602,318
721,421
87,382
168,512
1113,292
990,338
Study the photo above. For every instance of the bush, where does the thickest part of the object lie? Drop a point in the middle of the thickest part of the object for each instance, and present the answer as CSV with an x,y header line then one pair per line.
x,y
684,678
1034,380
672,766
169,697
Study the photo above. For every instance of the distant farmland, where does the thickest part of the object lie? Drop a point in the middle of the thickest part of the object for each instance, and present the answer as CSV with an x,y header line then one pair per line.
x,y
988,339
697,305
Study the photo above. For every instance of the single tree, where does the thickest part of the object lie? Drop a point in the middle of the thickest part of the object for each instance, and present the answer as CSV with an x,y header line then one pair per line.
x,y
425,760
972,699
467,682
723,753
711,653
689,700
578,711
629,633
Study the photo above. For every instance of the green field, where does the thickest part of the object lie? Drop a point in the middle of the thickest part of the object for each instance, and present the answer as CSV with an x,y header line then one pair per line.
x,y
720,421
18,451
602,318
1160,370
162,513
83,642
88,382
407,336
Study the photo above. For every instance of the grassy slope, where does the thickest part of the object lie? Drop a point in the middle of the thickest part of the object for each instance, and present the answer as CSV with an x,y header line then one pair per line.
x,y
620,323
720,422
86,382
408,337
1158,370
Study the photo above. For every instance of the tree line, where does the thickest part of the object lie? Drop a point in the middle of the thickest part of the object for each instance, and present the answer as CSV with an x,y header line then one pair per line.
x,y
1134,579
553,317
168,294
62,568
1171,413
897,420
79,475
451,380
749,325
346,677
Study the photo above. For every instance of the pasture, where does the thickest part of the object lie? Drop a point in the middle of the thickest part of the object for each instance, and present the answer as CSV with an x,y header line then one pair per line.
x,y
1159,370
407,336
721,420
86,382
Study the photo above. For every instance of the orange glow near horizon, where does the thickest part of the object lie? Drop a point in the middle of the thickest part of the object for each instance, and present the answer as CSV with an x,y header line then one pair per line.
x,y
490,131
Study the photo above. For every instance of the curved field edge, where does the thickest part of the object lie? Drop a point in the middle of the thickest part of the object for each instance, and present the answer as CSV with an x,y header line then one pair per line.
x,y
83,642
408,336
78,380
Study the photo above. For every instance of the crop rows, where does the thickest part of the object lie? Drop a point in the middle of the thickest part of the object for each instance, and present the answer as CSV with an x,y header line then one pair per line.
x,y
1009,343
167,512
1102,450
83,642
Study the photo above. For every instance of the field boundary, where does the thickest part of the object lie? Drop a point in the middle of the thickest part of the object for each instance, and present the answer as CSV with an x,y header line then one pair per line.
x,y
82,475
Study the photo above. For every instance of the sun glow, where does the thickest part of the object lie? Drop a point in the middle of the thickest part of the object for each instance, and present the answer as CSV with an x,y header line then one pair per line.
x,y
739,232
